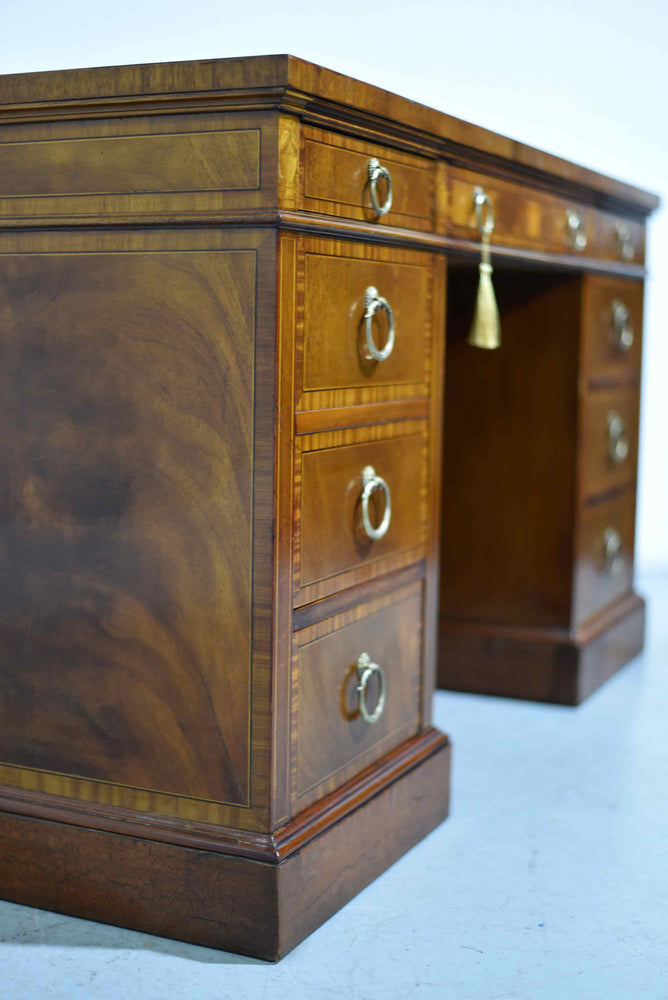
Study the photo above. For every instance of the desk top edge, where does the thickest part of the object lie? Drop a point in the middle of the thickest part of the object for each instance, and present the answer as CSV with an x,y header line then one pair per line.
x,y
292,80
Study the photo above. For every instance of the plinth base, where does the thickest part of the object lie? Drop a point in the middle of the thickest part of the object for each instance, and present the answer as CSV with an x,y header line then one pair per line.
x,y
260,896
540,665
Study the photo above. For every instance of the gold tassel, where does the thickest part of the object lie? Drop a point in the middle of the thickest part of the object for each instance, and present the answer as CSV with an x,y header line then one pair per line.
x,y
486,326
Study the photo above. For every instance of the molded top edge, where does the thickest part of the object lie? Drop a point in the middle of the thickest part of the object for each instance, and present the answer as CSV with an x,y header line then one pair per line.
x,y
289,78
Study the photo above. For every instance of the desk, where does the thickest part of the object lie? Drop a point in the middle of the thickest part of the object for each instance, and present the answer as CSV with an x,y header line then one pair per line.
x,y
227,419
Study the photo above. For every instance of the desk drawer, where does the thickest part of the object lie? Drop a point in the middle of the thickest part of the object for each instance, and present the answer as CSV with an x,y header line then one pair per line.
x,y
612,328
608,439
620,239
334,740
523,216
333,548
604,565
336,181
336,280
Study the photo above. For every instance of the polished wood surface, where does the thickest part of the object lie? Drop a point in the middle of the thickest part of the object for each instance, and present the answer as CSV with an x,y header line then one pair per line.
x,y
617,238
561,666
333,740
600,472
128,525
597,583
184,250
221,900
331,548
603,362
335,352
336,181
84,166
103,511
159,168
332,539
299,87
535,490
329,283
535,218
521,217
508,507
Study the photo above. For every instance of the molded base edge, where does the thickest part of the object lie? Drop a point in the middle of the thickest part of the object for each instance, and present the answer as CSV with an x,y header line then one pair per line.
x,y
541,665
228,901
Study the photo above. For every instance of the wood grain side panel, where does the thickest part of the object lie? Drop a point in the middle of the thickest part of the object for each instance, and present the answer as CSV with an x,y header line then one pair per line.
x,y
127,386
137,527
180,165
333,741
196,161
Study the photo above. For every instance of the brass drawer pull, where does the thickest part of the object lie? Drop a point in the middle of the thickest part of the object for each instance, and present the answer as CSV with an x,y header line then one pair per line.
x,y
618,444
624,243
371,482
484,211
576,231
365,671
621,331
376,171
373,302
612,550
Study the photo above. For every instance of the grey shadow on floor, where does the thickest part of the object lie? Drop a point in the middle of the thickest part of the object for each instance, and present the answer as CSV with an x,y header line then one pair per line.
x,y
24,925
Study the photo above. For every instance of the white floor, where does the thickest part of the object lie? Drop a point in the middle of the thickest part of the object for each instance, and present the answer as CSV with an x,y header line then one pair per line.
x,y
548,882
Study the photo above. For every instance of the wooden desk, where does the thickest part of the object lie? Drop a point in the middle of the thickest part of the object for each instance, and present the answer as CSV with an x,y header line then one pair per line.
x,y
219,597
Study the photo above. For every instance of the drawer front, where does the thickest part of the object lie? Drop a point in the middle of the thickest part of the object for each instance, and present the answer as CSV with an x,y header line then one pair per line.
x,y
336,181
523,217
332,546
609,439
335,353
612,328
334,740
619,239
604,565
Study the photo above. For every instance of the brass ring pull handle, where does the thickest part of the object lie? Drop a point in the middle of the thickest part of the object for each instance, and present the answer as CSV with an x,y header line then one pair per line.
x,y
618,444
625,245
621,332
576,231
373,302
365,671
484,211
612,550
376,171
371,482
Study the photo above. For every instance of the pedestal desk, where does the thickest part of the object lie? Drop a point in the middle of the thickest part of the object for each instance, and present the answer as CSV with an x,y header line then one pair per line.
x,y
226,418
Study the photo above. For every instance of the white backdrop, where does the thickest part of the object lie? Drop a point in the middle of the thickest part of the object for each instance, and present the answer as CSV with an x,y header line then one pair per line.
x,y
587,80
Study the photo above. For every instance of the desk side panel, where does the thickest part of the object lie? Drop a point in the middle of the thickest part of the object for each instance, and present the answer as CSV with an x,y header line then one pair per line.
x,y
129,581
